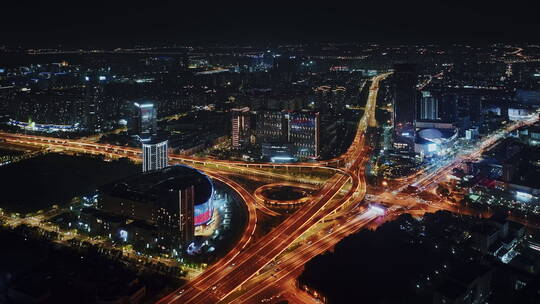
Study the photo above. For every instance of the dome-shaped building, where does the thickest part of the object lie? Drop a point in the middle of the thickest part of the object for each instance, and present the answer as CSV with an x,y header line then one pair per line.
x,y
176,197
434,141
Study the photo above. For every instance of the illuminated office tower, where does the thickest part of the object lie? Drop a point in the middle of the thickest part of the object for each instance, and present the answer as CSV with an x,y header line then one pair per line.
x,y
144,120
429,106
92,106
271,127
303,133
240,126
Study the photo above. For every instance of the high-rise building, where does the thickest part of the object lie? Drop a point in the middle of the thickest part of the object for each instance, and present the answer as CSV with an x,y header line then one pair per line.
x,y
338,94
429,106
155,155
92,116
144,120
329,98
321,99
299,129
303,133
440,104
240,126
271,127
7,96
405,96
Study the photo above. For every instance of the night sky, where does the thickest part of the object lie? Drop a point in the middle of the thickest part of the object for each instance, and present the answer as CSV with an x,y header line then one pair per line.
x,y
115,22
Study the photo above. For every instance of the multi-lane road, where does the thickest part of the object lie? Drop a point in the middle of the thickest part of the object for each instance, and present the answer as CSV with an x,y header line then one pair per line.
x,y
428,180
219,282
248,264
276,277
345,188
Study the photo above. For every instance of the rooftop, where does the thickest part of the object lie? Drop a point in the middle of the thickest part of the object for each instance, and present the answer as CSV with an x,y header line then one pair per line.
x,y
153,186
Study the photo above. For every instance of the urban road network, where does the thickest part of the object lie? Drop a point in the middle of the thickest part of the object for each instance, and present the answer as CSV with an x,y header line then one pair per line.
x,y
252,266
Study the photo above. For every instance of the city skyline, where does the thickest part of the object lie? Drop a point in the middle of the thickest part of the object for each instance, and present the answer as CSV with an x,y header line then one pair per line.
x,y
270,152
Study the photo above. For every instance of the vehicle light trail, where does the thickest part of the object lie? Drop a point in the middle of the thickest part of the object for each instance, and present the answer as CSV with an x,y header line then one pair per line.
x,y
219,281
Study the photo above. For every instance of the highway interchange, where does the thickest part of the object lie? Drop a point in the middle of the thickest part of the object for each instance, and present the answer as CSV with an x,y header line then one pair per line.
x,y
263,269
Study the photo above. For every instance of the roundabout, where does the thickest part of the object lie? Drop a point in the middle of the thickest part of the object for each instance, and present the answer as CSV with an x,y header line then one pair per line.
x,y
284,194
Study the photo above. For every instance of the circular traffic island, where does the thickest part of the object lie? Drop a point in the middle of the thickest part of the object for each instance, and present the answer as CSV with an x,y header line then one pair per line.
x,y
284,194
